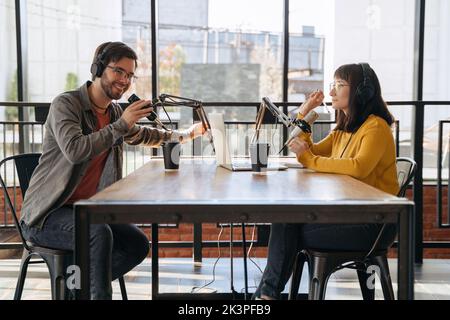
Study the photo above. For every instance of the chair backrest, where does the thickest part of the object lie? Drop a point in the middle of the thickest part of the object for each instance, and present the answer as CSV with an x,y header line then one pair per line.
x,y
406,169
25,165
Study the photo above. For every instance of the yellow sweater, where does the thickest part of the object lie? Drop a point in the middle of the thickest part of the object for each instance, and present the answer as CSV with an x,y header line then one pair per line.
x,y
367,155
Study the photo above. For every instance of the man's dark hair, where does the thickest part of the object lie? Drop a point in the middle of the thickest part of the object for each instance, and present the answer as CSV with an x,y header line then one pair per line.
x,y
112,52
357,111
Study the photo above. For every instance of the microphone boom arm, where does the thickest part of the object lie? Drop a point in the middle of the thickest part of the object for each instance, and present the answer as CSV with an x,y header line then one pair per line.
x,y
176,101
276,112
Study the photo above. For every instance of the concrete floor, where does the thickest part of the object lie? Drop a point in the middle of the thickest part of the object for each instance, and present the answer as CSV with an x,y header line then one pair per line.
x,y
181,275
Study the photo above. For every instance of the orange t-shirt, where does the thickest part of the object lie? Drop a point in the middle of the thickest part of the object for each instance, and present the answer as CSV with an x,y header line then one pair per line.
x,y
88,185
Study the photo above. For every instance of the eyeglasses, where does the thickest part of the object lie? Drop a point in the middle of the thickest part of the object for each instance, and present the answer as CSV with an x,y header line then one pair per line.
x,y
337,86
119,72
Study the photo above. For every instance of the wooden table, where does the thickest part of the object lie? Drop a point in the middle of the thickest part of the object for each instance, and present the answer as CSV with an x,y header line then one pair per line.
x,y
199,192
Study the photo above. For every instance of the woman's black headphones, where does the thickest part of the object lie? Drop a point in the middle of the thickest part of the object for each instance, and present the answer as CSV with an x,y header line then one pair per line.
x,y
365,90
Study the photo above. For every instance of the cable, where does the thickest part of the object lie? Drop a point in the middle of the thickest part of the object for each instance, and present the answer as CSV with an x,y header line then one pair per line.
x,y
275,130
250,249
168,117
194,289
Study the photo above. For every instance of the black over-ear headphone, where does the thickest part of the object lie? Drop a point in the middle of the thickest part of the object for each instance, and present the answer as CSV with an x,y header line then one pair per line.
x,y
365,90
99,65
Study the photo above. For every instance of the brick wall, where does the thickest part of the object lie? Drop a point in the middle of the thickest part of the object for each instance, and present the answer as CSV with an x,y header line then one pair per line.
x,y
17,202
211,231
431,231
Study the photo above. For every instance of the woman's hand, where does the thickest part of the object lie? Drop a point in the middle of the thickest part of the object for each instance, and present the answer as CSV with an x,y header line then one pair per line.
x,y
298,146
314,100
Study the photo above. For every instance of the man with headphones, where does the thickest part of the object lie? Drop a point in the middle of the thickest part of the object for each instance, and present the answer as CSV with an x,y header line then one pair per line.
x,y
82,154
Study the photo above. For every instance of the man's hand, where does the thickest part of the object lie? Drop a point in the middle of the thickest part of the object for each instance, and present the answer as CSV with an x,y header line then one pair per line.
x,y
134,112
196,130
298,146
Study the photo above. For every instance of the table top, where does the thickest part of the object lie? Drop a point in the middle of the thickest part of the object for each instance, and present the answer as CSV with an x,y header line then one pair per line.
x,y
201,180
199,183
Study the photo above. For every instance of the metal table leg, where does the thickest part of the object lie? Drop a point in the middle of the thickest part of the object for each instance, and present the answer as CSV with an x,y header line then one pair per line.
x,y
406,255
82,259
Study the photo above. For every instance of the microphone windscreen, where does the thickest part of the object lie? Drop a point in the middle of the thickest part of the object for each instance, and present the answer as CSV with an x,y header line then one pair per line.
x,y
311,117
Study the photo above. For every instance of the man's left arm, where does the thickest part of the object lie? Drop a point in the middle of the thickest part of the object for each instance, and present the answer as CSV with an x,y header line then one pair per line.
x,y
152,137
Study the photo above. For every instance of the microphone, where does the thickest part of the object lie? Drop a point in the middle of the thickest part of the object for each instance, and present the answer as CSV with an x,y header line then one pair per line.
x,y
152,117
301,126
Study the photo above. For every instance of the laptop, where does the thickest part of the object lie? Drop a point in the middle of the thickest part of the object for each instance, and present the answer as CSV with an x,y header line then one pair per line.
x,y
223,152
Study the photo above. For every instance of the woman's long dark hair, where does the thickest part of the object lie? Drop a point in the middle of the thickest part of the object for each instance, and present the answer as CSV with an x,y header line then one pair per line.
x,y
358,112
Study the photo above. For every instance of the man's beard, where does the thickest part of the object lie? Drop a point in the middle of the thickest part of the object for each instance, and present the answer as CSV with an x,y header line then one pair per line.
x,y
107,87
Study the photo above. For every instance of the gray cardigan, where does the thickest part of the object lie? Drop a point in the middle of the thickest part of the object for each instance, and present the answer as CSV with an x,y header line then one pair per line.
x,y
70,142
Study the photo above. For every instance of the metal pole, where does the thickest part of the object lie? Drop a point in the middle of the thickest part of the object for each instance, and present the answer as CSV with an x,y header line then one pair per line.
x,y
22,62
418,125
405,267
155,62
198,245
244,252
439,177
154,53
155,262
285,66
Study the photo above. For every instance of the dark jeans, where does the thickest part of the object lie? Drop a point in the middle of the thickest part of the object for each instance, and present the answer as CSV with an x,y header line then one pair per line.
x,y
114,249
286,240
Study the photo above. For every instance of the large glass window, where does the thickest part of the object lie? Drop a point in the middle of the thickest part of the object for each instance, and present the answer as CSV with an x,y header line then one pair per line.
x,y
8,59
311,25
330,34
8,76
215,50
382,34
136,32
63,36
436,85
326,34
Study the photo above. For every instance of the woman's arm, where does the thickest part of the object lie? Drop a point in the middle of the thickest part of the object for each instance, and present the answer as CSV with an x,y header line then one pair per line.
x,y
323,147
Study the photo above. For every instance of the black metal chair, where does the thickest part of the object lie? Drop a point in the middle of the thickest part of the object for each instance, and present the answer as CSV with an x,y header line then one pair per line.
x,y
323,263
56,260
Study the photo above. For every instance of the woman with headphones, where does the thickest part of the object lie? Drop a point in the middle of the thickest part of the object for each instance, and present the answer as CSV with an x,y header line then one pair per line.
x,y
362,146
